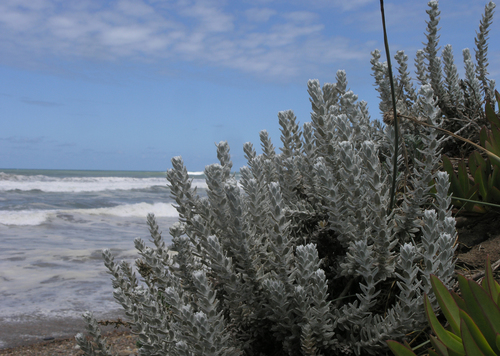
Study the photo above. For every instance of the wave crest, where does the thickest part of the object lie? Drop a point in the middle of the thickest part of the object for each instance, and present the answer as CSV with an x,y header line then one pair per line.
x,y
38,217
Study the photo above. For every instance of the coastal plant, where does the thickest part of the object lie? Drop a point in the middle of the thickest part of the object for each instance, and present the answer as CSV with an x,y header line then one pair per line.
x,y
473,317
476,183
299,254
460,100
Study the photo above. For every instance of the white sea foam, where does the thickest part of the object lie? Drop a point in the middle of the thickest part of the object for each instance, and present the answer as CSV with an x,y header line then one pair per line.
x,y
10,182
25,217
38,217
75,184
199,183
139,210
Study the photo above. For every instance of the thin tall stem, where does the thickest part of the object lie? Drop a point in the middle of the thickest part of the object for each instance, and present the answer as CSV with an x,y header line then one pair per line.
x,y
393,96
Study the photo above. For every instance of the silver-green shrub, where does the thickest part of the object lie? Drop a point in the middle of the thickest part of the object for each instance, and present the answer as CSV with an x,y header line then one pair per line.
x,y
461,101
300,255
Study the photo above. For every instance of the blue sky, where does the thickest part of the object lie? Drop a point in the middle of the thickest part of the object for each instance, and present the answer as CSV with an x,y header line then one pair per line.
x,y
128,84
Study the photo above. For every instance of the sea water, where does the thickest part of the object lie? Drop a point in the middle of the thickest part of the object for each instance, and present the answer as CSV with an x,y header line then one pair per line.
x,y
53,227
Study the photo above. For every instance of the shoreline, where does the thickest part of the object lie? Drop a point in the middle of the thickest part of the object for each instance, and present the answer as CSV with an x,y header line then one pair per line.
x,y
122,342
29,330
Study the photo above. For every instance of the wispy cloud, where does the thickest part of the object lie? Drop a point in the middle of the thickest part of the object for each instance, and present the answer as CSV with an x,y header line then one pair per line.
x,y
351,4
66,145
259,14
23,140
199,31
34,143
23,143
40,102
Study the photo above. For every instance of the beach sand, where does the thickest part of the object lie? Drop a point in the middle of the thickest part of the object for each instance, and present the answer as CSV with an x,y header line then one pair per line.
x,y
29,330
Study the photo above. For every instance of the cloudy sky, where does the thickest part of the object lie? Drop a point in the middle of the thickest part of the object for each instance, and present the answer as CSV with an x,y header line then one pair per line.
x,y
128,84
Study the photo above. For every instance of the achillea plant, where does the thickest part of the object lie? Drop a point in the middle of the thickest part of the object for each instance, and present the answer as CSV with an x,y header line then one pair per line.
x,y
301,256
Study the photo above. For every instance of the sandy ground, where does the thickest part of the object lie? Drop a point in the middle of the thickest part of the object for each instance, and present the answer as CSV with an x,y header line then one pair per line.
x,y
35,330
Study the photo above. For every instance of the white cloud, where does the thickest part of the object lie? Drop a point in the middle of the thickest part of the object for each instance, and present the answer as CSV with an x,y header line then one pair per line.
x,y
199,31
402,16
135,8
352,4
259,14
343,5
301,16
211,18
15,19
41,103
125,35
23,140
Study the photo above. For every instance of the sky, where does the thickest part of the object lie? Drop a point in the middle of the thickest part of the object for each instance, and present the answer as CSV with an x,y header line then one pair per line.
x,y
129,84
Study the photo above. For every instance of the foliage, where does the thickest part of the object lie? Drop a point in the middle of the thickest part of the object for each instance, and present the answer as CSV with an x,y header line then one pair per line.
x,y
460,100
473,318
478,179
301,255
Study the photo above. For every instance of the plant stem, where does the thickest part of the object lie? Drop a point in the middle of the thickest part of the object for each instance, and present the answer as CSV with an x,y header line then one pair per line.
x,y
393,96
489,153
476,202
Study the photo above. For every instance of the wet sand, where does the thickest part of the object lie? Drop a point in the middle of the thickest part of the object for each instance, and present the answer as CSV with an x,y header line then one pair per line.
x,y
28,330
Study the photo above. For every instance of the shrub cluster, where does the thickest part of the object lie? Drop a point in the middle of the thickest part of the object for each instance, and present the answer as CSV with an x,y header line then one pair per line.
x,y
301,255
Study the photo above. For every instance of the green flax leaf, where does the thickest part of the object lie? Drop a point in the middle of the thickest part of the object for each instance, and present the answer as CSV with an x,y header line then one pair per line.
x,y
448,305
440,348
492,116
399,349
489,284
482,183
450,340
474,341
481,308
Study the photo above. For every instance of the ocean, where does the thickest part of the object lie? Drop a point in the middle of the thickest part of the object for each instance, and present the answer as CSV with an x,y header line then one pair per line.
x,y
53,227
